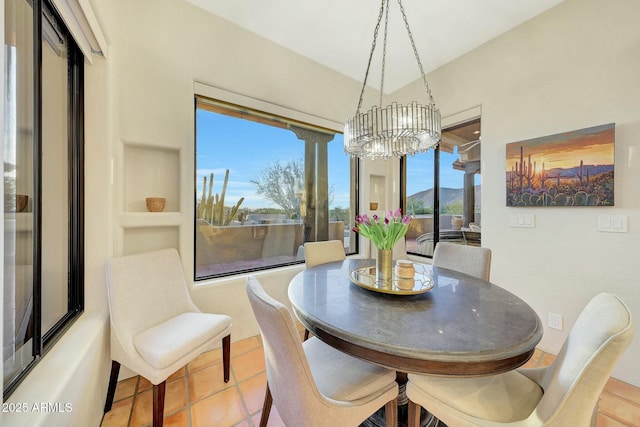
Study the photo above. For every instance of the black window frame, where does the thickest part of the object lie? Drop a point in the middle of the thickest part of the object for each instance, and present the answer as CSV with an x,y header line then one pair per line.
x,y
436,183
252,114
43,342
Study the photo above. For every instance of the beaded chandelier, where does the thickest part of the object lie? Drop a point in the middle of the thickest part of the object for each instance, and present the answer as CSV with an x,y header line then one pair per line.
x,y
395,130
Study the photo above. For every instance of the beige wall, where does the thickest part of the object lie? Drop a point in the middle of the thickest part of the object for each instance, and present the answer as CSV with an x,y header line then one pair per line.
x,y
143,95
157,52
573,67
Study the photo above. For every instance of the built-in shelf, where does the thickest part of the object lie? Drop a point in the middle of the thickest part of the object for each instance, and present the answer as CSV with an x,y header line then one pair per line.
x,y
377,193
150,171
150,219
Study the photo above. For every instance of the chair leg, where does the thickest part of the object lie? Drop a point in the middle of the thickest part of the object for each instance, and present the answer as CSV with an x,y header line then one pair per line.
x,y
306,334
226,356
266,407
113,381
158,403
391,413
414,414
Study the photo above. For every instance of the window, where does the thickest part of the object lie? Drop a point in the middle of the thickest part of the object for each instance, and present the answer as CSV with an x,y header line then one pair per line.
x,y
264,186
453,212
43,184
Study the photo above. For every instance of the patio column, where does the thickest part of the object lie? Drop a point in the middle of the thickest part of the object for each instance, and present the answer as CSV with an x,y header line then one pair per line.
x,y
469,192
316,182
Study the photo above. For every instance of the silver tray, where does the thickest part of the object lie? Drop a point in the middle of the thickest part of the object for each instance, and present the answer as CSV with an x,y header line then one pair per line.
x,y
422,282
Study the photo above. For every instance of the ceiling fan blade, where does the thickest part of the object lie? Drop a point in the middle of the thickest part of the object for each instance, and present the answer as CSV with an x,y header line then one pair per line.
x,y
462,148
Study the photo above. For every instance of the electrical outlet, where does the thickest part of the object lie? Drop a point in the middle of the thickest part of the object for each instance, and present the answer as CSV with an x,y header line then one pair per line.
x,y
555,321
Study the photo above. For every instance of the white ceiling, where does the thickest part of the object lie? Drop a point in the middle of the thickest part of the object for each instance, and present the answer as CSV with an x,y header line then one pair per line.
x,y
339,33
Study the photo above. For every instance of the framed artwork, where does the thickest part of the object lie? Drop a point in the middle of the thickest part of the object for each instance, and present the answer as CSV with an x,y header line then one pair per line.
x,y
567,169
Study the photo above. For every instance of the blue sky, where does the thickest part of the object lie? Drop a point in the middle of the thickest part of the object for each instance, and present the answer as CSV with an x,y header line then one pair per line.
x,y
246,148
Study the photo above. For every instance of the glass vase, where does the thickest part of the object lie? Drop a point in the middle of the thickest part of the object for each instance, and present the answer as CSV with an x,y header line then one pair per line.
x,y
384,266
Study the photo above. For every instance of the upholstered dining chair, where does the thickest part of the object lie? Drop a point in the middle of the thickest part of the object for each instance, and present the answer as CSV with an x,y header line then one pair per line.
x,y
472,260
563,394
311,383
155,327
316,253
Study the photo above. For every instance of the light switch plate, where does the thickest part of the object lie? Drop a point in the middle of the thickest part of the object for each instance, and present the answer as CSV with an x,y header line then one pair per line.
x,y
522,220
612,223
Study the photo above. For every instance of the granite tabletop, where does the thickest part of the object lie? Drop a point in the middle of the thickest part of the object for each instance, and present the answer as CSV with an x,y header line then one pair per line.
x,y
462,326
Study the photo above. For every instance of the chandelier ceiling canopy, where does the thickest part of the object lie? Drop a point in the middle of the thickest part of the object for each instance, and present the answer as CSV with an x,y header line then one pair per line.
x,y
395,130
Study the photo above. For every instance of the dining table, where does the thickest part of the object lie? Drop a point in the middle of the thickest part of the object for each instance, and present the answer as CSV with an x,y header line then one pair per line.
x,y
443,322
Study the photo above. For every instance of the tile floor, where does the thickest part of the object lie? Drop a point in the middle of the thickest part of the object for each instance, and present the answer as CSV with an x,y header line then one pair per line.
x,y
196,395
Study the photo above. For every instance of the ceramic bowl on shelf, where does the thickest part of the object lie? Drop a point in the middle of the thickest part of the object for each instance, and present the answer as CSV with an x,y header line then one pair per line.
x,y
21,202
156,204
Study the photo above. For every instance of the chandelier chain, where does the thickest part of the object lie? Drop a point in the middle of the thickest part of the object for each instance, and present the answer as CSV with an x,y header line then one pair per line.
x,y
373,48
394,130
384,52
415,51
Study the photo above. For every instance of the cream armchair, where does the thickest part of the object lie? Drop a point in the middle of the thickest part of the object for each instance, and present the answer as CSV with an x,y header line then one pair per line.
x,y
155,327
563,394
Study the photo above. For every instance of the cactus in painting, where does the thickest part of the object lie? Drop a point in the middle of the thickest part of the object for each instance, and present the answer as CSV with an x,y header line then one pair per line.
x,y
561,199
584,199
543,177
525,170
593,200
581,198
579,174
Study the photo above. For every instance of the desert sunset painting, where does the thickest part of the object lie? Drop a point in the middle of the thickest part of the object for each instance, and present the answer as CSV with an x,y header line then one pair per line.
x,y
573,168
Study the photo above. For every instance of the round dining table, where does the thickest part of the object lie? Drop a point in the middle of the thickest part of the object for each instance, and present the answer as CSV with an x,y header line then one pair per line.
x,y
455,324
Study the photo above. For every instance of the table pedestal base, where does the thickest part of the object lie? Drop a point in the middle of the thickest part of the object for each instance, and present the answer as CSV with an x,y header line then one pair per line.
x,y
378,419
426,419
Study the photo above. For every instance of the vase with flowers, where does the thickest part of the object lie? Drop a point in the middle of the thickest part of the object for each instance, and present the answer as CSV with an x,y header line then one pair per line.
x,y
384,232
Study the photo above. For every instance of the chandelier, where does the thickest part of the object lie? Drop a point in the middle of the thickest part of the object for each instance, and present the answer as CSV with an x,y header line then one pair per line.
x,y
395,130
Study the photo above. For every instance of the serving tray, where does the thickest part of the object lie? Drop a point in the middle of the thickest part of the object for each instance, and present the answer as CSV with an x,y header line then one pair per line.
x,y
422,282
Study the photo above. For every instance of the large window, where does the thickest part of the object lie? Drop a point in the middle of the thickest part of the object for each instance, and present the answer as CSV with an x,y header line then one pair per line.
x,y
443,191
264,186
43,176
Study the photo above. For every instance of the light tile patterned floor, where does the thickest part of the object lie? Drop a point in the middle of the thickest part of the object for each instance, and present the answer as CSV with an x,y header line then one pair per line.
x,y
196,396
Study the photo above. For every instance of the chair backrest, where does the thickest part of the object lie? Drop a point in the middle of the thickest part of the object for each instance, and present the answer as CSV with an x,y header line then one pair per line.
x,y
573,382
316,253
472,260
144,290
288,372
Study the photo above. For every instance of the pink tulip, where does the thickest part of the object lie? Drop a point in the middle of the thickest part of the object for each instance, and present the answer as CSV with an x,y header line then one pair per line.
x,y
383,233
